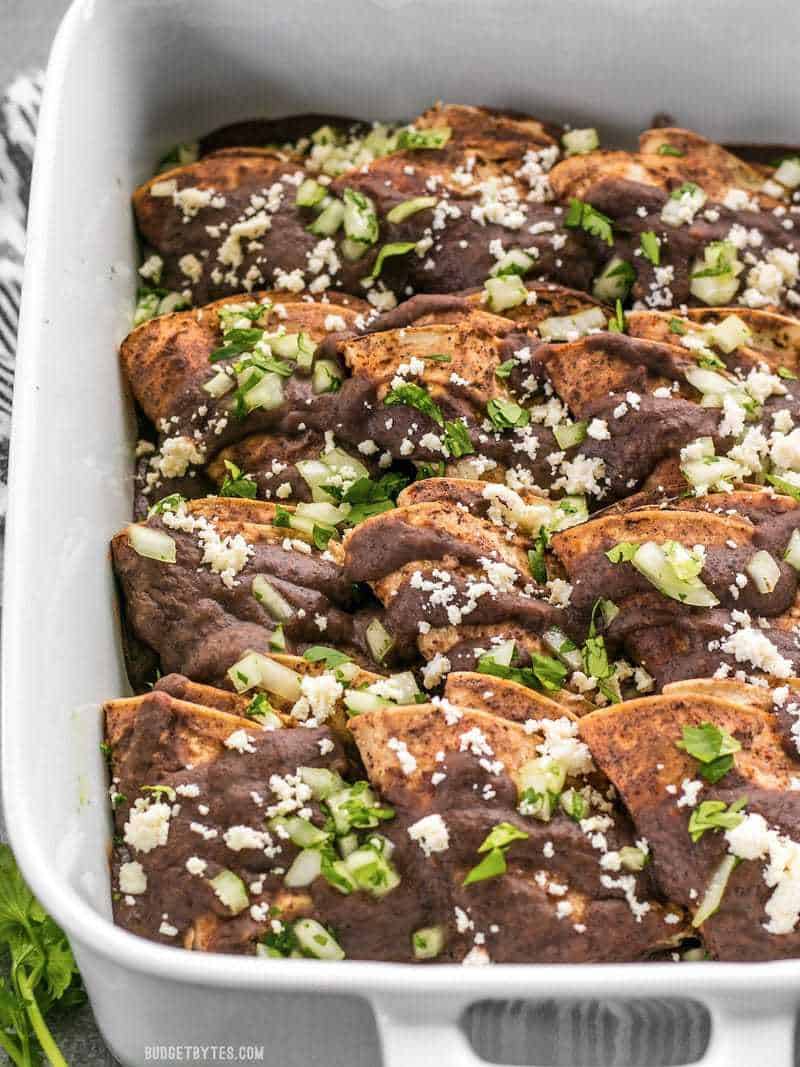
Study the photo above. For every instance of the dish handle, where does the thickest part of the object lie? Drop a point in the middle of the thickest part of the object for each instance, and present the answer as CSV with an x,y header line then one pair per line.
x,y
746,1031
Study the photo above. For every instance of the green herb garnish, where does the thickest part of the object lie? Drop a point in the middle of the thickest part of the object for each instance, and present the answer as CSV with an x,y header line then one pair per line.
x,y
583,216
238,484
415,396
495,845
712,747
715,815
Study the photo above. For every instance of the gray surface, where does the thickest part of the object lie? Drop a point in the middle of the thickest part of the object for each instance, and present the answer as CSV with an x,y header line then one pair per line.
x,y
26,32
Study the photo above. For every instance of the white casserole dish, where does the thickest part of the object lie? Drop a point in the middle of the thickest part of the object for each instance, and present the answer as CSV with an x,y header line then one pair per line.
x,y
126,80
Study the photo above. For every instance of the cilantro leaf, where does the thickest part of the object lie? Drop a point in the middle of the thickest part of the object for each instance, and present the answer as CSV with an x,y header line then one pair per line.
x,y
457,439
495,845
715,815
583,216
650,246
712,747
43,971
331,657
507,414
238,484
415,396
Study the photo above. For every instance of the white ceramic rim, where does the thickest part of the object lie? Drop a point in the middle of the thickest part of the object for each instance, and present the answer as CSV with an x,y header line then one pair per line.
x,y
773,982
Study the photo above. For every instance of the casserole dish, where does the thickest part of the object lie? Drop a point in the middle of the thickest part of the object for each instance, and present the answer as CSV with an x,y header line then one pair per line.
x,y
159,73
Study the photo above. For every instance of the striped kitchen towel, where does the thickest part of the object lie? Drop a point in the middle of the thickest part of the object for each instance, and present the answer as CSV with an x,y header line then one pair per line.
x,y
19,110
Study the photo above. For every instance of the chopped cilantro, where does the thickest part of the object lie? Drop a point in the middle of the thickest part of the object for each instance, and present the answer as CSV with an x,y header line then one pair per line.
x,y
505,368
258,707
237,484
457,439
544,673
415,396
622,552
712,747
617,324
669,150
536,557
650,246
715,815
283,517
507,414
420,139
676,326
167,503
583,216
236,342
495,845
322,534
331,657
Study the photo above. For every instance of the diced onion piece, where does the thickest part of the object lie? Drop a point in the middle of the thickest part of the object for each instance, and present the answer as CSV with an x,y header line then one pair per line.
x,y
372,871
302,832
792,553
379,640
347,844
285,345
730,334
715,289
306,866
360,220
277,641
329,220
715,890
579,142
556,640
400,212
353,250
710,381
219,385
266,394
152,544
348,671
632,859
326,376
322,511
506,292
570,327
503,653
306,350
246,672
310,193
314,939
515,261
172,302
315,474
266,594
788,173
231,891
282,681
341,462
427,942
359,701
711,472
609,286
764,571
401,688
651,561
321,781
569,434
570,511
543,775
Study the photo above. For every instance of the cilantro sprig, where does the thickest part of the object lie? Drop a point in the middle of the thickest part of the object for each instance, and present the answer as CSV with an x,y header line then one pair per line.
x,y
237,483
43,973
715,815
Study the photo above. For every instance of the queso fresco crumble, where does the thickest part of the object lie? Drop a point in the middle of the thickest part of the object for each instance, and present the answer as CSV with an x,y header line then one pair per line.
x,y
461,587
